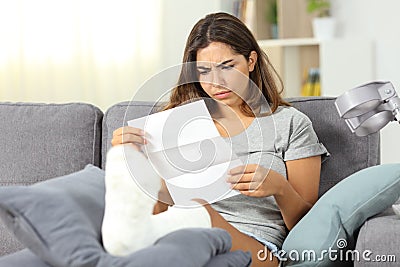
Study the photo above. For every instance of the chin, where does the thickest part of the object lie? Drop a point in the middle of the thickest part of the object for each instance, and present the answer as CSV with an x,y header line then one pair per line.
x,y
229,102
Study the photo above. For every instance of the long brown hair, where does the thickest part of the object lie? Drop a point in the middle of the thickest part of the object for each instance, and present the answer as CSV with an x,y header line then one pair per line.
x,y
225,28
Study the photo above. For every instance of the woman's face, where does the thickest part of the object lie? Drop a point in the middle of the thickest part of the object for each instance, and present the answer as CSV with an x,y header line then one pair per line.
x,y
223,74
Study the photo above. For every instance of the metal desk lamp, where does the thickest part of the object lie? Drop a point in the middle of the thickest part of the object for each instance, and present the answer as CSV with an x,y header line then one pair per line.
x,y
369,107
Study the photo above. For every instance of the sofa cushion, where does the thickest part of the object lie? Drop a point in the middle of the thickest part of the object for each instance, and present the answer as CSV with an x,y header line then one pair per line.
x,y
41,141
333,221
379,240
146,257
60,219
56,219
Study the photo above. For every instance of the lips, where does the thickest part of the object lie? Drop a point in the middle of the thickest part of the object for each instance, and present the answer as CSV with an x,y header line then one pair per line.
x,y
222,94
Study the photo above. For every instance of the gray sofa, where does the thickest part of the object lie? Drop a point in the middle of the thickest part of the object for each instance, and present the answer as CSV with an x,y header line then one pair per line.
x,y
43,141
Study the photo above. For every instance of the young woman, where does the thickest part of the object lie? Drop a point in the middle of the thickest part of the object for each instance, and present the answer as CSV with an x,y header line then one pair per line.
x,y
279,181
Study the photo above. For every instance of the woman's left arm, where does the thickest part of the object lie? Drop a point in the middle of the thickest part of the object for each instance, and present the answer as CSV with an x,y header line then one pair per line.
x,y
300,191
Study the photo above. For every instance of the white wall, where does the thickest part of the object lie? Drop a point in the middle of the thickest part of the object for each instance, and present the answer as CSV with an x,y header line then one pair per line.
x,y
70,50
377,20
177,19
83,57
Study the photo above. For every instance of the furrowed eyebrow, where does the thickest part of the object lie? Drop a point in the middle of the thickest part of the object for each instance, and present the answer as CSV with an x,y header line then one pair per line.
x,y
217,66
224,63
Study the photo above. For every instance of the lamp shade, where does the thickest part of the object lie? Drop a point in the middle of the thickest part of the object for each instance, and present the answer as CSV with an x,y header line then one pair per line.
x,y
369,107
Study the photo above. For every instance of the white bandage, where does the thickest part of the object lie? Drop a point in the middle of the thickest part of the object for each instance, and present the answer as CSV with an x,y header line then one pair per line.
x,y
131,188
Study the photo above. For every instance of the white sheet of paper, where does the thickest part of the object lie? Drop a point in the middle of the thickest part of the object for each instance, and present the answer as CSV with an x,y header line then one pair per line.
x,y
185,148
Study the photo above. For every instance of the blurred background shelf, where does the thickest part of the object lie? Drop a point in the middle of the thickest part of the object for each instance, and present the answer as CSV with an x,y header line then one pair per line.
x,y
288,42
343,63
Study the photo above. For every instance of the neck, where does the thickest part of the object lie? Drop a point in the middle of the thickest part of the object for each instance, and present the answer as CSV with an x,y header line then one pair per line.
x,y
228,112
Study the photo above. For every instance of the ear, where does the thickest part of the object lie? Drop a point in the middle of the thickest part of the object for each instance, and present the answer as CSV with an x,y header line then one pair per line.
x,y
252,60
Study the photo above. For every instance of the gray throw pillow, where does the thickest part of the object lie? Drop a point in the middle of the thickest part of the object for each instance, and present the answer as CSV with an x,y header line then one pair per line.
x,y
22,258
59,220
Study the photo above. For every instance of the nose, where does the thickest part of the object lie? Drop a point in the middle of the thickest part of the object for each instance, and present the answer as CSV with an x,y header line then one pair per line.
x,y
217,78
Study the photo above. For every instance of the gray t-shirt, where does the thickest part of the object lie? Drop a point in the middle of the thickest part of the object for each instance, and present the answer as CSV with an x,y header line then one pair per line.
x,y
269,141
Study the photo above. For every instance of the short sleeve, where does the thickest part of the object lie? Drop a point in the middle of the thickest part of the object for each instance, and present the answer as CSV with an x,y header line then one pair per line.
x,y
303,141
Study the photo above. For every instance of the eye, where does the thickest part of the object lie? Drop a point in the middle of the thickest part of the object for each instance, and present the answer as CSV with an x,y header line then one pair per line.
x,y
227,67
203,72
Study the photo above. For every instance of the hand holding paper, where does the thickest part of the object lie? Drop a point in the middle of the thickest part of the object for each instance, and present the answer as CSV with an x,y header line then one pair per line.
x,y
185,148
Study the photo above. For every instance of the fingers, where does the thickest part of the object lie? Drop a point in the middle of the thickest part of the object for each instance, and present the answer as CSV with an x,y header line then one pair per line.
x,y
248,180
243,173
128,135
128,138
240,178
244,182
251,189
249,186
128,129
249,168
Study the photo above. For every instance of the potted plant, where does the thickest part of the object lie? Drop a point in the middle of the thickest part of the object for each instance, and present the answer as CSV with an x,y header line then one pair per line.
x,y
321,8
272,18
323,24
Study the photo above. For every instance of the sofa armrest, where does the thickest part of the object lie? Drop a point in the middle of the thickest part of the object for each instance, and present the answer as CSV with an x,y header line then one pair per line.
x,y
41,141
378,242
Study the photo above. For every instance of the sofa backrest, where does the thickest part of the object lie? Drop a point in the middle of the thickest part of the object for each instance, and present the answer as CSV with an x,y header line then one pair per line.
x,y
42,141
349,153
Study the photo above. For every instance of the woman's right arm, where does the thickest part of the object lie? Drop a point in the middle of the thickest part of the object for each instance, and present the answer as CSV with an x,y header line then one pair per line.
x,y
135,137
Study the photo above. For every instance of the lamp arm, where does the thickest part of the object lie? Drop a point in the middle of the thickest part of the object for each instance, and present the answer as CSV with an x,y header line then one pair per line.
x,y
397,115
395,104
369,107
